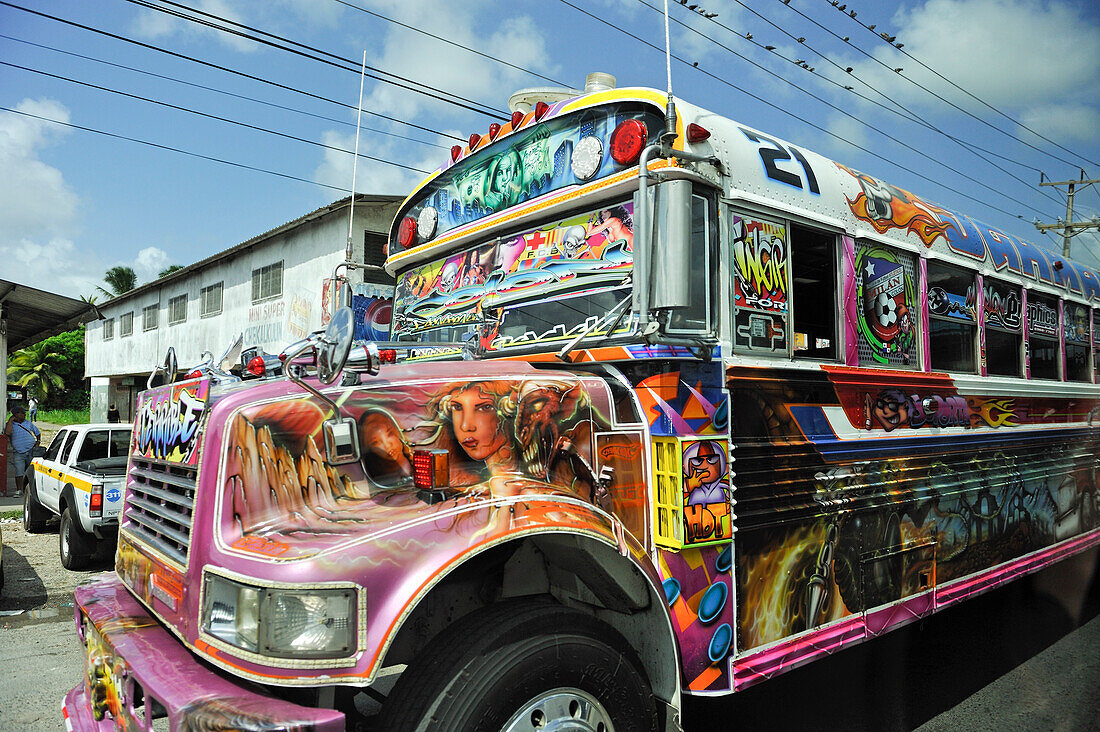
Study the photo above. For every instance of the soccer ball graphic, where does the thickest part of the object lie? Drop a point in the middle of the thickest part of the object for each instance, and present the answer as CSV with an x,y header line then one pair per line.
x,y
885,310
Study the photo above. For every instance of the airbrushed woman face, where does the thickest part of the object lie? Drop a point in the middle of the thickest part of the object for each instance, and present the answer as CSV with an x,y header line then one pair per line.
x,y
476,424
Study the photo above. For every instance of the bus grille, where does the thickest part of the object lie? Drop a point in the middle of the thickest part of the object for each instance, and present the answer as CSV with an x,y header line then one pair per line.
x,y
159,505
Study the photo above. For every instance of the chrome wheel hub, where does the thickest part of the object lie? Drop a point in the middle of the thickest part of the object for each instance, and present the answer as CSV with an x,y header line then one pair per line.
x,y
561,710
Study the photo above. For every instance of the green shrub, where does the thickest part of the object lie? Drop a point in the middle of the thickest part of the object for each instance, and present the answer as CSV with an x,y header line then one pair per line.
x,y
63,416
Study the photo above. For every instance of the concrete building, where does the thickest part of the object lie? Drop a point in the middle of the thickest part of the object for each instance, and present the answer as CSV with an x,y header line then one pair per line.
x,y
273,288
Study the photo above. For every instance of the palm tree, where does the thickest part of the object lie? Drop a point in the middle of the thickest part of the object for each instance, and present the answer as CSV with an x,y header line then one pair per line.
x,y
170,269
32,368
120,279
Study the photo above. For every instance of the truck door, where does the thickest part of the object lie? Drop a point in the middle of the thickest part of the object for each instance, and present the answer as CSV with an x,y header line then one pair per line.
x,y
48,470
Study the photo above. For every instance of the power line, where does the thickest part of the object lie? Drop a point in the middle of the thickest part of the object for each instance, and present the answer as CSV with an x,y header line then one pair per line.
x,y
214,117
977,99
221,91
344,63
787,112
226,69
450,42
926,89
174,149
909,114
849,114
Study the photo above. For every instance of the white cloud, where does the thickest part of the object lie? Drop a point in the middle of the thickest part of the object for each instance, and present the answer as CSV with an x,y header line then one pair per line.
x,y
1068,122
1017,55
152,24
373,176
38,209
149,263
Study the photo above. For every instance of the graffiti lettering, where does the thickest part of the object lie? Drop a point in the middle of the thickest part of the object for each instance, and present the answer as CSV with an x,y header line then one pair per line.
x,y
1002,307
619,452
761,269
893,408
169,427
1041,318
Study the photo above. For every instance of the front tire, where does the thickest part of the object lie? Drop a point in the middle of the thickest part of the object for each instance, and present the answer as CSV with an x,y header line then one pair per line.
x,y
34,515
523,665
77,547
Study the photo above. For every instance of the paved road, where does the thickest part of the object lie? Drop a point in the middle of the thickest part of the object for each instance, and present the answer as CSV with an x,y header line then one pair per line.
x,y
1024,657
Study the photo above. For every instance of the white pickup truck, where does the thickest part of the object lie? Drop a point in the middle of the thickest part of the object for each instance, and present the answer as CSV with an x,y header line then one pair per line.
x,y
81,478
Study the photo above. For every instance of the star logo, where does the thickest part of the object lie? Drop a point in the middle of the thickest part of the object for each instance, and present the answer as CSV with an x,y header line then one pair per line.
x,y
870,269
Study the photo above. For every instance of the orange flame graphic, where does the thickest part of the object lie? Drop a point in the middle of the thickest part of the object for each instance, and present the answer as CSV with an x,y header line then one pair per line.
x,y
907,211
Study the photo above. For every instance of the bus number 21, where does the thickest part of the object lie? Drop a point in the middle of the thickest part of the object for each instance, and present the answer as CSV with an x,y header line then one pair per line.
x,y
772,153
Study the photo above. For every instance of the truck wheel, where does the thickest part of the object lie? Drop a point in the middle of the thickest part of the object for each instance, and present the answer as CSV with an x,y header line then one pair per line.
x,y
523,665
77,547
34,515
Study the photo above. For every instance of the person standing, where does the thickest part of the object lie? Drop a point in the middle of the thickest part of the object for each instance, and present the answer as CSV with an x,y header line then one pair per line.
x,y
23,437
113,415
32,408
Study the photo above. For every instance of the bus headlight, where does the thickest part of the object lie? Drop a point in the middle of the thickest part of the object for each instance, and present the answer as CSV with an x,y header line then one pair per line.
x,y
313,623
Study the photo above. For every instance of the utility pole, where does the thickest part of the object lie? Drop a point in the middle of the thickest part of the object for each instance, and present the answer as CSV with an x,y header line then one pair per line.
x,y
1068,227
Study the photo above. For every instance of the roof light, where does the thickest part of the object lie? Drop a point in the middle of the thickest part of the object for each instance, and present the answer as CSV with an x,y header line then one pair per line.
x,y
256,366
517,119
194,374
628,140
541,108
474,140
494,130
456,150
696,133
430,468
587,156
425,222
406,233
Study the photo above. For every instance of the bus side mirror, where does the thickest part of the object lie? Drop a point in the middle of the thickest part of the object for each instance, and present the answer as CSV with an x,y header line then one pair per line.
x,y
671,265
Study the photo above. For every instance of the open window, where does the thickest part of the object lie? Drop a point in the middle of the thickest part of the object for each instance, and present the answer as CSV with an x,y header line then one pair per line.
x,y
814,294
1042,336
1003,329
952,319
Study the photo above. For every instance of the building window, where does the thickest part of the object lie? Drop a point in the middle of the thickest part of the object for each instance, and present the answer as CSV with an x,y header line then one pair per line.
x,y
267,282
1003,336
374,249
108,329
1042,336
177,309
211,297
952,318
126,324
149,317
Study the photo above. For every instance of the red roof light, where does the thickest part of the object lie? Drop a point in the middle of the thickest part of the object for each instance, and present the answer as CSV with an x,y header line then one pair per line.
x,y
517,118
494,130
541,109
627,141
406,233
474,140
256,366
456,150
696,133
388,355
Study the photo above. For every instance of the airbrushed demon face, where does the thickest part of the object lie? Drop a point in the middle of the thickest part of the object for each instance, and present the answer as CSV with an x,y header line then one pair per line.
x,y
448,276
879,196
574,240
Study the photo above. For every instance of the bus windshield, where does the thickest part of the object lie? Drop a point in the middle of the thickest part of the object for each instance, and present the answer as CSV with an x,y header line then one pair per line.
x,y
537,287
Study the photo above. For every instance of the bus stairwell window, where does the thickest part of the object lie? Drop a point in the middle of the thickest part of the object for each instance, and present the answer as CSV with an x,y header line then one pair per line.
x,y
814,294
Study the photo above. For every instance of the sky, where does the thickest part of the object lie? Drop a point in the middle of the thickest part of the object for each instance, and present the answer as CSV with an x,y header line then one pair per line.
x,y
131,167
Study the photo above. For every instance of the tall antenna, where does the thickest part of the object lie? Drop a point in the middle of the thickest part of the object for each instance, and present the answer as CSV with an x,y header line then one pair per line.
x,y
355,160
670,110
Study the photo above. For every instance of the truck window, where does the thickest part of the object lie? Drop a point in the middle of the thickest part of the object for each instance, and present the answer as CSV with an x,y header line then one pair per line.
x,y
120,443
67,450
814,295
94,447
55,446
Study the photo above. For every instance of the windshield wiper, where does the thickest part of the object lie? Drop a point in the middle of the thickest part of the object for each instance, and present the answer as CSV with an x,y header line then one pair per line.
x,y
616,311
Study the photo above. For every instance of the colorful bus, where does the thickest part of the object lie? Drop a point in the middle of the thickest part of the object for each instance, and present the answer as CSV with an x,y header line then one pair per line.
x,y
670,406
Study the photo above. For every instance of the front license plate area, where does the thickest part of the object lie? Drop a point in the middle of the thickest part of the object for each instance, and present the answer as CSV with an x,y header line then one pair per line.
x,y
106,677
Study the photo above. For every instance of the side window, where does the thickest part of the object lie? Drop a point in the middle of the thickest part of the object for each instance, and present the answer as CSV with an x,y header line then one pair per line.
x,y
1003,329
55,446
94,446
697,318
1042,335
886,289
68,448
814,294
760,284
120,443
1078,335
952,318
